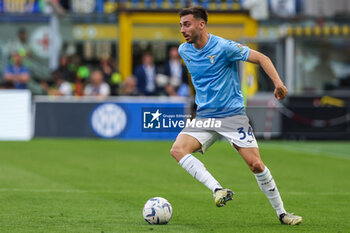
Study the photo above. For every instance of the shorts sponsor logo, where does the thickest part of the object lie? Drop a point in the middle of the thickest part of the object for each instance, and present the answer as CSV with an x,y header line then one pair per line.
x,y
108,120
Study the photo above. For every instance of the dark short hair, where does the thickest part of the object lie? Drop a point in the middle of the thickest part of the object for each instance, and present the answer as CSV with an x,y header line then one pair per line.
x,y
21,31
198,12
147,53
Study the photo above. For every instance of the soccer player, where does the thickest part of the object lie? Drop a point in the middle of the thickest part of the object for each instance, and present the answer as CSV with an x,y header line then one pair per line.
x,y
212,63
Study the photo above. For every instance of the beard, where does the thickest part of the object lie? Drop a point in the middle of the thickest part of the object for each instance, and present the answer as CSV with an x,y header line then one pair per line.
x,y
191,39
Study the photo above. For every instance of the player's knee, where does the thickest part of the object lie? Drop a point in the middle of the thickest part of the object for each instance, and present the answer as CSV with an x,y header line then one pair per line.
x,y
177,152
257,166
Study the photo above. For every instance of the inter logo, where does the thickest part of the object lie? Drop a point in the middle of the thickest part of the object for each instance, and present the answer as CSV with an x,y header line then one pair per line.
x,y
211,58
108,120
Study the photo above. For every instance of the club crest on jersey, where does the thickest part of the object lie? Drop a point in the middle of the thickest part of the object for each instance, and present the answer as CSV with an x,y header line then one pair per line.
x,y
211,58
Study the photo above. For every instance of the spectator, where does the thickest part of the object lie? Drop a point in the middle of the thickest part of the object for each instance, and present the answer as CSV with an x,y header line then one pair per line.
x,y
61,86
81,73
110,74
97,86
129,87
63,68
20,45
17,73
146,76
106,68
178,83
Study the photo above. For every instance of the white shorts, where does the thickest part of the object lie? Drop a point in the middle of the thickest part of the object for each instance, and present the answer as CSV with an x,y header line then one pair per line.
x,y
236,129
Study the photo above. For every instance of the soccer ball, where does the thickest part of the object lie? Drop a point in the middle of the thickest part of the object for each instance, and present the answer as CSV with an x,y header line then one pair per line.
x,y
157,210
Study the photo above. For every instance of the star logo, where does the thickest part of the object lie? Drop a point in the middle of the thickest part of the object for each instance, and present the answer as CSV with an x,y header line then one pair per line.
x,y
156,115
211,58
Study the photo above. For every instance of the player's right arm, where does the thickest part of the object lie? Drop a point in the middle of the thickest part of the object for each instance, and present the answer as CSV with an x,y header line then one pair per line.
x,y
265,62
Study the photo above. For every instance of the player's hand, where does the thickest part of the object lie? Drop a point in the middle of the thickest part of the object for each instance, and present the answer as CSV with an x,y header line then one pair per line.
x,y
280,92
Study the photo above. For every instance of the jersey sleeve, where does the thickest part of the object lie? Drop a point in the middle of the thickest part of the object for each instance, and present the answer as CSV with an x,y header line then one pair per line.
x,y
180,49
183,54
236,52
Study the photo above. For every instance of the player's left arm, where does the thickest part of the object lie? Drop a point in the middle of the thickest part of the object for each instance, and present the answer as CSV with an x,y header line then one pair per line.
x,y
265,62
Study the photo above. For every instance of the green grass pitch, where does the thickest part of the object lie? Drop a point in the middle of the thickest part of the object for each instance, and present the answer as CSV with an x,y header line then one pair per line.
x,y
51,185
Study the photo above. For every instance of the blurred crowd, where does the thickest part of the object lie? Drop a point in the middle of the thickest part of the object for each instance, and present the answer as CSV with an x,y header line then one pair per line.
x,y
74,78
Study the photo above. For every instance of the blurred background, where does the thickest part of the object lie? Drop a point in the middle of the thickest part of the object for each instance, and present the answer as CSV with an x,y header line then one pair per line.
x,y
88,68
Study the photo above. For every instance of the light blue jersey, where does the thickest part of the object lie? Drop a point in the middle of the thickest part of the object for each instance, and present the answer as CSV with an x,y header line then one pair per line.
x,y
214,71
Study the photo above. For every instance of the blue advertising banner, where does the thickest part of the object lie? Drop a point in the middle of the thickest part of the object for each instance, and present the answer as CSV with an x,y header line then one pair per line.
x,y
110,119
130,120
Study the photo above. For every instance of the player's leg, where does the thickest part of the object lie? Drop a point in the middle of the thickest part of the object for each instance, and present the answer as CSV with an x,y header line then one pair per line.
x,y
263,176
238,132
184,145
267,184
181,150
